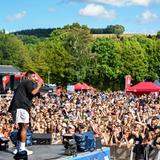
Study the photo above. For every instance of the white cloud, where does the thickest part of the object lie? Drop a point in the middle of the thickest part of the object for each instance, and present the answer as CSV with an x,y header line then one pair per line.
x,y
16,17
128,2
141,2
111,2
147,17
98,11
122,2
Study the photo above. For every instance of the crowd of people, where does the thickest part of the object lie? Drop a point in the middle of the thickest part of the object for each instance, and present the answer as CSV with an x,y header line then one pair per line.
x,y
118,119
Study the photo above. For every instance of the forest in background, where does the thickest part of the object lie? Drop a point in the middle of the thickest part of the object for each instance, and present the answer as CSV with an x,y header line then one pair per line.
x,y
45,33
72,54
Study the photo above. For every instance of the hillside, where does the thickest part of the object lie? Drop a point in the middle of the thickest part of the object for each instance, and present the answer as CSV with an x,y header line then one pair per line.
x,y
44,33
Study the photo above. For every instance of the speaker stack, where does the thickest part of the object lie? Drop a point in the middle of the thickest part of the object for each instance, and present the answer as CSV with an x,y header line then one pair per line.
x,y
41,139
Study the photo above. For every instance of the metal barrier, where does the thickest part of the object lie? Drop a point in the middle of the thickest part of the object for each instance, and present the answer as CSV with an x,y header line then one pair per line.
x,y
124,153
118,153
158,155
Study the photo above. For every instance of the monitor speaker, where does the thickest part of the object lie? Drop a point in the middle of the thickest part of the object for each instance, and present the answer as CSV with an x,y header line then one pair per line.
x,y
41,139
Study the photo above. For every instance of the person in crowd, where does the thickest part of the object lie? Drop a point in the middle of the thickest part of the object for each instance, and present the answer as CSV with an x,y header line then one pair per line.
x,y
118,119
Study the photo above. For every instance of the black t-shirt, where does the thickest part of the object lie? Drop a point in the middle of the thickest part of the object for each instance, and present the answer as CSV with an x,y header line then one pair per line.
x,y
23,96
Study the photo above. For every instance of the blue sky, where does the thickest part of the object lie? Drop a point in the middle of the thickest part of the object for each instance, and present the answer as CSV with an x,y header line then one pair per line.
x,y
137,16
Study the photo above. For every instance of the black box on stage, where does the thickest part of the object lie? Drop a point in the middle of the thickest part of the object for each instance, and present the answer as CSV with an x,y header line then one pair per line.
x,y
69,144
3,143
41,139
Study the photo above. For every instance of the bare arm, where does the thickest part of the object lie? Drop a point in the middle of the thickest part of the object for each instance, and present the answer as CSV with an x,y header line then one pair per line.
x,y
36,90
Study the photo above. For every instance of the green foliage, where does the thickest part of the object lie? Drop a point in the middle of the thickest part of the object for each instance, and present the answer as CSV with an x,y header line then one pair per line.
x,y
70,54
108,60
41,33
152,52
12,51
134,60
56,58
158,34
156,60
75,26
115,29
38,62
77,43
29,40
45,33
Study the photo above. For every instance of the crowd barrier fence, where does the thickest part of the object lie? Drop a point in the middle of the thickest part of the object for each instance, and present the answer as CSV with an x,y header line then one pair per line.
x,y
123,153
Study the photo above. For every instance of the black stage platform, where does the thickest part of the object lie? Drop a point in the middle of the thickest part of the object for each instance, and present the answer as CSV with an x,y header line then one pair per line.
x,y
40,152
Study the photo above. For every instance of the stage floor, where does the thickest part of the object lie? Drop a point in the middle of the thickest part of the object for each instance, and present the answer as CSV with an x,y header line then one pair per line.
x,y
40,152
43,152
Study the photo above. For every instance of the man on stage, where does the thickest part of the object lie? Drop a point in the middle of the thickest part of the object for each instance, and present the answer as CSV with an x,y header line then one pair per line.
x,y
20,108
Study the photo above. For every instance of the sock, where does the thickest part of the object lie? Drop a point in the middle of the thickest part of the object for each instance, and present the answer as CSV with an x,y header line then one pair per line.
x,y
22,146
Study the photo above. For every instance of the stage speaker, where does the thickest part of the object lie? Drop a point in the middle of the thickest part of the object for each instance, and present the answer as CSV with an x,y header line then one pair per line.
x,y
4,144
41,139
12,82
98,143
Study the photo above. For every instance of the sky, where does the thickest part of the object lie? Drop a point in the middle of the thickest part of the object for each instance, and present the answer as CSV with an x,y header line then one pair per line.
x,y
137,16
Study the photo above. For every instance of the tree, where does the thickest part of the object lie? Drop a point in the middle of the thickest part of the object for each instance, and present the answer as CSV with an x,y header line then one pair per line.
x,y
50,56
40,33
76,40
157,59
29,40
151,47
110,29
118,29
158,34
57,59
12,51
115,29
134,59
108,63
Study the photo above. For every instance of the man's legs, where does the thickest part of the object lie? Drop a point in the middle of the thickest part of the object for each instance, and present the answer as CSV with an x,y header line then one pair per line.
x,y
22,135
22,119
21,139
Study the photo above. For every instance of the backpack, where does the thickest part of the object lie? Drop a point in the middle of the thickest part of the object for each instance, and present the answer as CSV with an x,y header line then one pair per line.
x,y
85,141
90,141
81,142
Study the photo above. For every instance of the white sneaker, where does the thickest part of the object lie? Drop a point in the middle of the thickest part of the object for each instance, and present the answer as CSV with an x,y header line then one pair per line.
x,y
29,152
15,151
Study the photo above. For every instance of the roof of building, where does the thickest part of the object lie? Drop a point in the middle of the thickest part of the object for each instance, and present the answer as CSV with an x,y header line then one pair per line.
x,y
8,69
